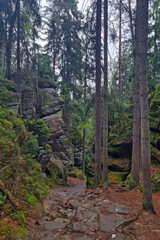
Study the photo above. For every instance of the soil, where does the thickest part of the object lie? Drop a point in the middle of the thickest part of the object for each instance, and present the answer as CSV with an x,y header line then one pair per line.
x,y
76,213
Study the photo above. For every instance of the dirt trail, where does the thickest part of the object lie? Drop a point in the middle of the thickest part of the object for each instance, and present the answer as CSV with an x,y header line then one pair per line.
x,y
77,213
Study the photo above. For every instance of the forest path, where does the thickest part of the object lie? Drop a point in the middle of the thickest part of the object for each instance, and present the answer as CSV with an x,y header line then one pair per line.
x,y
76,213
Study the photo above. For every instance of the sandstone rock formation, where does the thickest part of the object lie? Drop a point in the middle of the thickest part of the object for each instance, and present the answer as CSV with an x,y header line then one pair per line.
x,y
48,105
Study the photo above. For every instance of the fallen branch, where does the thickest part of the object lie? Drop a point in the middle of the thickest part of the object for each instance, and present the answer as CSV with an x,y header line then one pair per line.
x,y
8,193
6,167
126,223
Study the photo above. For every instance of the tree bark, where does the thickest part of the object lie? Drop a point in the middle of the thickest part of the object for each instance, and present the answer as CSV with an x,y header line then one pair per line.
x,y
131,22
142,31
11,22
85,98
105,113
120,48
98,94
18,54
136,111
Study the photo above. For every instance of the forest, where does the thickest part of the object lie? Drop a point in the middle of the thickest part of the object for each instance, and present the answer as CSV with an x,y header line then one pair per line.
x,y
79,119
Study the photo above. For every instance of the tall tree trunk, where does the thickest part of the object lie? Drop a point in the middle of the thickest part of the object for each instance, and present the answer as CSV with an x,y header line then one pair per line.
x,y
105,114
84,132
18,54
136,111
142,31
85,98
120,49
98,94
11,22
131,22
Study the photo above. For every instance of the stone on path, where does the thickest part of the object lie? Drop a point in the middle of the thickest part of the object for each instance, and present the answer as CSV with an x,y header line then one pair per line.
x,y
54,225
75,203
86,227
86,216
117,209
109,223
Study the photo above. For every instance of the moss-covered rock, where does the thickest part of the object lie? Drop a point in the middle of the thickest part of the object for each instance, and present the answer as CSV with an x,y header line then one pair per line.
x,y
76,173
114,178
14,232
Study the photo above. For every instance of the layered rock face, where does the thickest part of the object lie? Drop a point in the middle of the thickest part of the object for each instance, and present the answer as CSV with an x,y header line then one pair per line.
x,y
49,107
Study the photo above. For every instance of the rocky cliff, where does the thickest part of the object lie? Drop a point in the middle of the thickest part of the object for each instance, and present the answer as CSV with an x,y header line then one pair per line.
x,y
48,106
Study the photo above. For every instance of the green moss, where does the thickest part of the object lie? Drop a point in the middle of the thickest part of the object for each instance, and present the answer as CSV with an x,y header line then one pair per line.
x,y
6,91
19,233
31,146
54,172
14,233
21,173
31,199
19,216
39,129
130,183
77,173
12,134
114,178
48,148
72,174
33,183
81,176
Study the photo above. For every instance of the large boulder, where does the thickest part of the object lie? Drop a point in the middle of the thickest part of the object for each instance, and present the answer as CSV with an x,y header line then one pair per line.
x,y
62,149
51,102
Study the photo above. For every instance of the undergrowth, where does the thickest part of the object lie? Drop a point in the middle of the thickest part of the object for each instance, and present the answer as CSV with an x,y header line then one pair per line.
x,y
21,177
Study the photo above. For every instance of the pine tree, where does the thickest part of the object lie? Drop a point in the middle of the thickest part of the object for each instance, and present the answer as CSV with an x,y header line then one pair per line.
x,y
142,32
105,117
98,95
